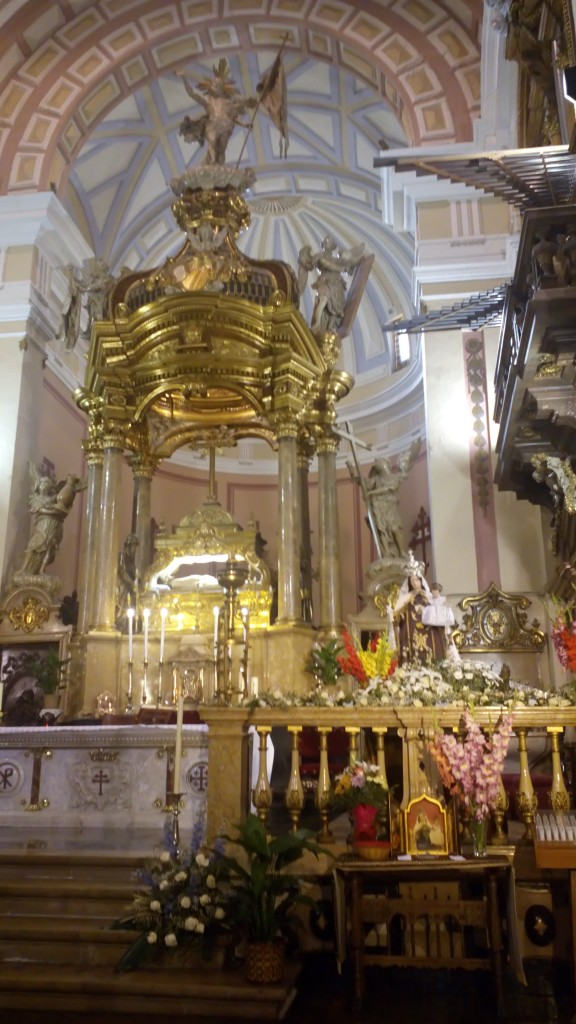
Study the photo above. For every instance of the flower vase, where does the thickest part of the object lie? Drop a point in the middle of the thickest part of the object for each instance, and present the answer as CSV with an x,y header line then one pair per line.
x,y
365,823
479,832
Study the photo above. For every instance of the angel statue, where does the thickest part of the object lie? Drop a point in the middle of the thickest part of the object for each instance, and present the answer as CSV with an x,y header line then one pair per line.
x,y
49,502
331,264
380,490
90,290
224,108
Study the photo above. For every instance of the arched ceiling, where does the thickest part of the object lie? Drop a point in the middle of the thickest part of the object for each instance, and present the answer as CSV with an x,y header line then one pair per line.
x,y
91,104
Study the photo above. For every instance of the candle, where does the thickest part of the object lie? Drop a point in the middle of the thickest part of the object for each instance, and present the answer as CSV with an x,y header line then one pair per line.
x,y
146,614
130,614
216,620
163,614
245,620
254,683
178,744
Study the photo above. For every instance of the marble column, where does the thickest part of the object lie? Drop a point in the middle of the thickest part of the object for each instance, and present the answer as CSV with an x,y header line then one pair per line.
x,y
289,609
143,467
305,537
108,537
328,538
92,507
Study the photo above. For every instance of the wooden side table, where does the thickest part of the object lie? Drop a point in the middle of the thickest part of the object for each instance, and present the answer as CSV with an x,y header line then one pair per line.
x,y
437,902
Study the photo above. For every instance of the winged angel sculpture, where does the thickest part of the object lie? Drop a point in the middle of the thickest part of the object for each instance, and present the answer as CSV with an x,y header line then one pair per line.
x,y
331,264
49,502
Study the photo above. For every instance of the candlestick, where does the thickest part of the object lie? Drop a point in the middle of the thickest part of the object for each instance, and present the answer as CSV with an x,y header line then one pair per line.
x,y
144,696
130,615
146,614
163,614
245,622
129,704
178,744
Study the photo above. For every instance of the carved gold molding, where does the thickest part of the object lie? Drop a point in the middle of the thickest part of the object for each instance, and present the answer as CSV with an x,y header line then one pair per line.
x,y
30,615
497,622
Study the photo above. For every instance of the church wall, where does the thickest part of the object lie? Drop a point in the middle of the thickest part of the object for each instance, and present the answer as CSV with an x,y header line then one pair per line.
x,y
21,369
449,462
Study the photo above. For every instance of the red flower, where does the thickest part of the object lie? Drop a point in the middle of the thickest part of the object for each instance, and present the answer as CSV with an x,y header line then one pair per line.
x,y
350,662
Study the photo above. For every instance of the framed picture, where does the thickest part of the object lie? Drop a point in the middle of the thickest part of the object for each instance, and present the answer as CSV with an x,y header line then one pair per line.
x,y
426,828
17,675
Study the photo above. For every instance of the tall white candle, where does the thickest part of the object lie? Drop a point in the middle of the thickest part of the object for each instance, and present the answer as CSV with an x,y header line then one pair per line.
x,y
146,614
245,621
178,744
216,620
130,614
163,614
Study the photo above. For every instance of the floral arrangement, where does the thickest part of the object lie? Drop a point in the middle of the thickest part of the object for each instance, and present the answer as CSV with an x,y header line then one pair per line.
x,y
323,662
181,901
446,683
377,662
471,768
360,783
563,633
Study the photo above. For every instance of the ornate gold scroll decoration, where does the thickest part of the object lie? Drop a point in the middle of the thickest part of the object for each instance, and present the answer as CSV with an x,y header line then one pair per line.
x,y
31,615
496,621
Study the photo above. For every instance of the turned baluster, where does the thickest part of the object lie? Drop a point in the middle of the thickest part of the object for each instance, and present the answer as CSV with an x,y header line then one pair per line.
x,y
324,788
558,795
526,801
262,793
294,798
380,732
499,836
353,734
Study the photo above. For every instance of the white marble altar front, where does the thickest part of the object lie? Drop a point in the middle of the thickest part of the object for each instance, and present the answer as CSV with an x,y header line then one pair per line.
x,y
102,777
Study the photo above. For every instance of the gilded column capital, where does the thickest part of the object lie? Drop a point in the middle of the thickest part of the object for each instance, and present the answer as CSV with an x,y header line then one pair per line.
x,y
305,452
113,437
93,451
328,444
285,424
143,464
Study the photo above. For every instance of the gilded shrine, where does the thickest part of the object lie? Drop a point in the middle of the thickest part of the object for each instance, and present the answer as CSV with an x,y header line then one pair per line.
x,y
206,350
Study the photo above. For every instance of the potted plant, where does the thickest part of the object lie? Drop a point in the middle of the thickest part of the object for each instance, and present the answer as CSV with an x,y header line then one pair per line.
x,y
46,668
263,891
361,791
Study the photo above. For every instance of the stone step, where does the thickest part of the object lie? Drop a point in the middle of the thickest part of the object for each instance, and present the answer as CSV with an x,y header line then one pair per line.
x,y
107,908
148,991
63,866
65,941
66,898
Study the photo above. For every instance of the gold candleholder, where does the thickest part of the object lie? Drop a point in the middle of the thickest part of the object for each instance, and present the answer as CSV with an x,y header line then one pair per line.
x,y
160,670
144,696
173,806
129,704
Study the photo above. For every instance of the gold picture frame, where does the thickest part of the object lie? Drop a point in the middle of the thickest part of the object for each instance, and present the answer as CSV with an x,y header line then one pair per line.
x,y
426,828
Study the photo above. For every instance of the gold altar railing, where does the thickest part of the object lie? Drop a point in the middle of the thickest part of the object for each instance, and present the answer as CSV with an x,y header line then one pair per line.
x,y
228,744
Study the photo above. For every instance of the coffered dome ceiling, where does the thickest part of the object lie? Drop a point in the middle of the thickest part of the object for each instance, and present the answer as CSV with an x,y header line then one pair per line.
x,y
92,104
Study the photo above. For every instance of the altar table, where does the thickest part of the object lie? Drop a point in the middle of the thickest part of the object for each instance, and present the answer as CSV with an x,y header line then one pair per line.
x,y
99,776
431,911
